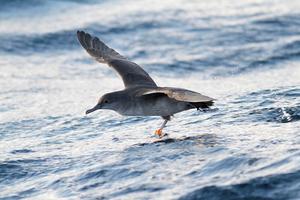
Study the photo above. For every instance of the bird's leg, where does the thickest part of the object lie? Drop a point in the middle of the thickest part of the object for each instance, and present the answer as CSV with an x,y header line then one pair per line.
x,y
159,131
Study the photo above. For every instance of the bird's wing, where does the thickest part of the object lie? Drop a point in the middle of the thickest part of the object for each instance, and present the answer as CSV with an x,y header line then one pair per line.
x,y
178,94
131,73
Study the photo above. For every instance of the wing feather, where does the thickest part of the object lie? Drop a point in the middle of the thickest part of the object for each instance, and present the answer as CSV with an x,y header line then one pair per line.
x,y
178,94
131,73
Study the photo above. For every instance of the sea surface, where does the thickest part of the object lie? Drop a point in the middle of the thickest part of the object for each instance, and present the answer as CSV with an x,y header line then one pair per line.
x,y
245,54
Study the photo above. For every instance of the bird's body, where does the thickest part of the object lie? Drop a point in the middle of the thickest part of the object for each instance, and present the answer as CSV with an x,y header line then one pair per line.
x,y
141,96
158,104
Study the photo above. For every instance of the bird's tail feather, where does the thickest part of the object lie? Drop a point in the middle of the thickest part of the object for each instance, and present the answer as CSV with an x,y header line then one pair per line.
x,y
202,105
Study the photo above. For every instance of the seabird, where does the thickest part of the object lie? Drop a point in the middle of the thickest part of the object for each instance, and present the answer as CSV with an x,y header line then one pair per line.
x,y
141,96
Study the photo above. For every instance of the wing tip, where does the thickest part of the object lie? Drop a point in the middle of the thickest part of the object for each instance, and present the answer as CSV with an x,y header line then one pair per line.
x,y
80,33
80,37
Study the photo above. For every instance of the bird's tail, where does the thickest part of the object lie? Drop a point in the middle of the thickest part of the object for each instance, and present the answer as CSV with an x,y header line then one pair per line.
x,y
202,105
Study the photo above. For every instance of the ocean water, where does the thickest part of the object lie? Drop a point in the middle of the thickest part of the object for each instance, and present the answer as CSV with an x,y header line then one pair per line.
x,y
243,53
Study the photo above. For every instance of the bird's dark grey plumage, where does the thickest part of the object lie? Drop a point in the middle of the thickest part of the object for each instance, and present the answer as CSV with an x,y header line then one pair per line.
x,y
141,96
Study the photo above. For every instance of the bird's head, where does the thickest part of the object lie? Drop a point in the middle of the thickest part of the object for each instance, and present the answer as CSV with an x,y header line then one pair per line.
x,y
107,101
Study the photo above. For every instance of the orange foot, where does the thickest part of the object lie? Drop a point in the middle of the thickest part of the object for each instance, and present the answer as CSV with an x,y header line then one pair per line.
x,y
159,133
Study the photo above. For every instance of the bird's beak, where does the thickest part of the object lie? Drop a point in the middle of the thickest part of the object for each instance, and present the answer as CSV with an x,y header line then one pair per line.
x,y
96,107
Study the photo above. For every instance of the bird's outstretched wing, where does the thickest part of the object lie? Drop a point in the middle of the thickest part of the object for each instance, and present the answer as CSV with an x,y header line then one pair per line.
x,y
178,94
131,73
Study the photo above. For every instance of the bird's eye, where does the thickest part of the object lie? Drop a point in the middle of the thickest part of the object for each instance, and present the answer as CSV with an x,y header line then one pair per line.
x,y
105,101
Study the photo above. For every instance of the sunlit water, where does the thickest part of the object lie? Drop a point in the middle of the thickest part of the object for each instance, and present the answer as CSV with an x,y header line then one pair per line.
x,y
243,53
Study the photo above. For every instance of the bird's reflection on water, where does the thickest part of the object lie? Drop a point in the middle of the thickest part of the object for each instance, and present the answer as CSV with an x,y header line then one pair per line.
x,y
207,140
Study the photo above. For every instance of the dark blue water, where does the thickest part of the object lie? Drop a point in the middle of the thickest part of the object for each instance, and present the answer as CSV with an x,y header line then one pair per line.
x,y
243,53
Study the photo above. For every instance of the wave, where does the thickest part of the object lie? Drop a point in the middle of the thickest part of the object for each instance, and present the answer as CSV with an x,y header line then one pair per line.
x,y
35,44
5,5
22,44
281,115
236,48
15,170
275,187
277,105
